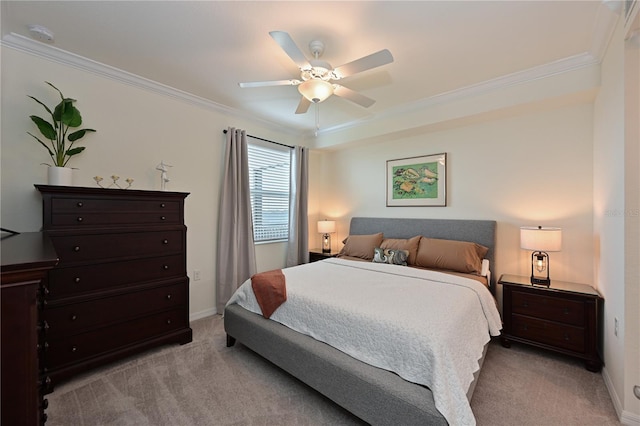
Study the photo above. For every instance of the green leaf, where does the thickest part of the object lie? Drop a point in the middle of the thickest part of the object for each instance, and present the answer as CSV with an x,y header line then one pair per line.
x,y
78,134
66,113
45,107
47,130
74,151
61,95
42,143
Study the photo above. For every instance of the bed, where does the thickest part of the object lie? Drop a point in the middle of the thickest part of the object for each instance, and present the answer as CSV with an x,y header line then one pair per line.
x,y
377,394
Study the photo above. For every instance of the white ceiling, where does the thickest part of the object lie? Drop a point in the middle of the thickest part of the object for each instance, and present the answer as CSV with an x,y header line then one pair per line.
x,y
205,48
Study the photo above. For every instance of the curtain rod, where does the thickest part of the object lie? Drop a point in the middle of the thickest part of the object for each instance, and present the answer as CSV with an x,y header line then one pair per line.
x,y
266,140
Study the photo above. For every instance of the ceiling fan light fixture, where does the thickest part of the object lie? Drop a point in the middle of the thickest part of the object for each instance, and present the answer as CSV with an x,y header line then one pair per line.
x,y
316,90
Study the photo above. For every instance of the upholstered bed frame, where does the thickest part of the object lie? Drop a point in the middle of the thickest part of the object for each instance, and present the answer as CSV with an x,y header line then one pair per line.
x,y
374,395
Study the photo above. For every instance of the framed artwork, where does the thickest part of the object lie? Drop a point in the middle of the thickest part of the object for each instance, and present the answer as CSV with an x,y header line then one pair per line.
x,y
417,181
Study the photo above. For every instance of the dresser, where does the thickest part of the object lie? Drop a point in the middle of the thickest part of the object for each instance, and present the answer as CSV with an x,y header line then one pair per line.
x,y
564,317
26,258
121,285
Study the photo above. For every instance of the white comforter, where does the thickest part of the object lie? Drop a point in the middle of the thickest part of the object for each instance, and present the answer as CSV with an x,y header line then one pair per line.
x,y
428,327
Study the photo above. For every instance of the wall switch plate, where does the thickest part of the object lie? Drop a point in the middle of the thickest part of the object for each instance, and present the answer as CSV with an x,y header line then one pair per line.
x,y
196,275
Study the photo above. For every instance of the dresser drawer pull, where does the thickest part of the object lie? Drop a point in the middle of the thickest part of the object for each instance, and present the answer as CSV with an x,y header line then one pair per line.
x,y
79,204
45,325
163,218
165,241
76,279
80,219
74,317
74,349
168,321
165,267
162,205
76,248
168,296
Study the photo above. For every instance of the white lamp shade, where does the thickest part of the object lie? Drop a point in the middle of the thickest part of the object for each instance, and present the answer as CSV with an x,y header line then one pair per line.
x,y
540,239
316,90
326,227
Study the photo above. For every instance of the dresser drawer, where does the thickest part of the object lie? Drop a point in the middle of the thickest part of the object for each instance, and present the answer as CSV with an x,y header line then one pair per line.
x,y
102,247
78,317
549,308
79,280
547,332
108,205
73,349
115,218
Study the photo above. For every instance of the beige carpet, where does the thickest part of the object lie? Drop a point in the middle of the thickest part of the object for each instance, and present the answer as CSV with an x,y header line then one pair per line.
x,y
205,383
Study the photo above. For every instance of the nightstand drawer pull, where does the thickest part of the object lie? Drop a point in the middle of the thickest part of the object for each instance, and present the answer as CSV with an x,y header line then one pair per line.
x,y
165,267
525,304
79,204
74,317
169,296
163,218
76,248
79,219
162,205
165,241
74,349
566,337
168,321
76,279
565,311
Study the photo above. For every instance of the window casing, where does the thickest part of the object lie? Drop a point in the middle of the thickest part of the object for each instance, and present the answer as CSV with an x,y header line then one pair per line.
x,y
269,181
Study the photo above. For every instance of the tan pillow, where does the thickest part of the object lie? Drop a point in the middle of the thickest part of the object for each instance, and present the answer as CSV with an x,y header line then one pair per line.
x,y
459,256
408,244
361,245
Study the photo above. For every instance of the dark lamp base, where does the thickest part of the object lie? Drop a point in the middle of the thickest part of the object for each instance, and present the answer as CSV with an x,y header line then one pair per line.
x,y
540,281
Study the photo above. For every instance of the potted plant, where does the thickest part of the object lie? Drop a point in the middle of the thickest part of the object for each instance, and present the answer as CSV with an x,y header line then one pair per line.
x,y
60,144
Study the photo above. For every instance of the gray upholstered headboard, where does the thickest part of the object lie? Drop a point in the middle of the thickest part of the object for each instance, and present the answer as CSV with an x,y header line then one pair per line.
x,y
477,231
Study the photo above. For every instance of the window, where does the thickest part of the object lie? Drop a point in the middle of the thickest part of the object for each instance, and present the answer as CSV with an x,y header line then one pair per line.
x,y
269,171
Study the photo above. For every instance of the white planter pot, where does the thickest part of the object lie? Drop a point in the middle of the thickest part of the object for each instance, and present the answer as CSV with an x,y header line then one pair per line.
x,y
61,176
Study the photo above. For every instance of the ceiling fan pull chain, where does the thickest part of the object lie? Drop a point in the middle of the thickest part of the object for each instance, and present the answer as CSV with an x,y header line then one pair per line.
x,y
317,119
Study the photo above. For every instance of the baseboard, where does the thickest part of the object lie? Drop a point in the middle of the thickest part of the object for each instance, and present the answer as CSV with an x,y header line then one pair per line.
x,y
202,314
625,417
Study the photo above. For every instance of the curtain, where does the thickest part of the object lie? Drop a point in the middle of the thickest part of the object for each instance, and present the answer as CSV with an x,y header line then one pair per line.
x,y
298,247
236,259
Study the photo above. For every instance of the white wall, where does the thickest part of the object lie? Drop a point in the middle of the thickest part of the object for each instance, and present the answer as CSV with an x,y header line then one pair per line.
x,y
136,129
613,178
532,169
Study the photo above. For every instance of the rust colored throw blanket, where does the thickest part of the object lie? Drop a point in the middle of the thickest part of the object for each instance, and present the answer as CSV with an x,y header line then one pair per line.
x,y
270,290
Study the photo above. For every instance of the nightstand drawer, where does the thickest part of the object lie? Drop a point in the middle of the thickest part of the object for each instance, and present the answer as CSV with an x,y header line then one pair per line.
x,y
549,308
547,332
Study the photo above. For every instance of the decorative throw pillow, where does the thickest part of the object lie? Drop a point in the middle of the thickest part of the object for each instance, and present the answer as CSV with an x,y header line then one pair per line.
x,y
392,256
409,244
361,245
459,256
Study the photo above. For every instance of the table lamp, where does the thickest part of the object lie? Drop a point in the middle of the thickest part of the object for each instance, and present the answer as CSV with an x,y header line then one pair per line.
x,y
326,227
540,240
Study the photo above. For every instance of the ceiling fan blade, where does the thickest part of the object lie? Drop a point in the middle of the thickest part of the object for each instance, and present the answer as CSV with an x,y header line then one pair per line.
x,y
352,96
270,83
374,60
303,106
290,48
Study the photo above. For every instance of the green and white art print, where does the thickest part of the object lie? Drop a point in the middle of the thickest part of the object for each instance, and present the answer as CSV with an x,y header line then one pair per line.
x,y
417,181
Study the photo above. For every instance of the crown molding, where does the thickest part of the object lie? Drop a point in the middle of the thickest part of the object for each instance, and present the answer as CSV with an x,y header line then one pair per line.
x,y
521,77
55,54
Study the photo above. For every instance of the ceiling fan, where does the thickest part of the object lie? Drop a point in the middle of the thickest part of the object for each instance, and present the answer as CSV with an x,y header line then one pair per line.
x,y
316,76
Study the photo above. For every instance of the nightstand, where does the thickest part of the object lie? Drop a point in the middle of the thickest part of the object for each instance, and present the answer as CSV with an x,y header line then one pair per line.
x,y
564,317
317,254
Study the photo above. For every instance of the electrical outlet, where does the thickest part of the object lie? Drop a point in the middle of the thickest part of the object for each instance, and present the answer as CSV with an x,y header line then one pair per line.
x,y
615,327
196,277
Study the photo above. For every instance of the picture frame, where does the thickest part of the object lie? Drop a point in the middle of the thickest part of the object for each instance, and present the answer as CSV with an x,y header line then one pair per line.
x,y
417,181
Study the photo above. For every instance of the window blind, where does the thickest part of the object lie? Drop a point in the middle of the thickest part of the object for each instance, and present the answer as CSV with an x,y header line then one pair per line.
x,y
269,172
